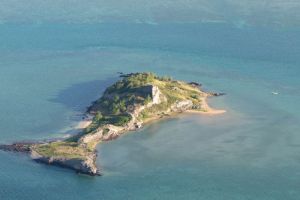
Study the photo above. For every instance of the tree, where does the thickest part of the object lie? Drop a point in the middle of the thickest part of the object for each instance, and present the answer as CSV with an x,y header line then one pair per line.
x,y
122,105
98,116
115,109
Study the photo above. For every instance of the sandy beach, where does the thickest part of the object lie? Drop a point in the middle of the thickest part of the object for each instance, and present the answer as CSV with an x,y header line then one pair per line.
x,y
85,122
207,108
208,111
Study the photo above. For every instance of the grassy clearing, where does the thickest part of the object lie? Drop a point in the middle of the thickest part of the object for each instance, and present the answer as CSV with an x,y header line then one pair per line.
x,y
62,149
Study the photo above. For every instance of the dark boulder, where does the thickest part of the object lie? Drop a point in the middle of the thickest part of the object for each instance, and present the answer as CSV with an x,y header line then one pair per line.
x,y
216,94
195,84
17,147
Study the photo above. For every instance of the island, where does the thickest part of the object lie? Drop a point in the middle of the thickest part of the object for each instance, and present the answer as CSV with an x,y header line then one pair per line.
x,y
131,102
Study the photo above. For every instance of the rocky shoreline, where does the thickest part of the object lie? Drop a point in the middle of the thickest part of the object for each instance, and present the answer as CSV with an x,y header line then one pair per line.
x,y
21,147
88,168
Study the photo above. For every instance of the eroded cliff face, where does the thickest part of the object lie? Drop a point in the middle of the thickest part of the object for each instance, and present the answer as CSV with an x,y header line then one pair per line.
x,y
157,96
86,165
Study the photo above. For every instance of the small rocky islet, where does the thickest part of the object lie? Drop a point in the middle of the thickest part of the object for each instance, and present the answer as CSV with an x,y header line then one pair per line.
x,y
128,104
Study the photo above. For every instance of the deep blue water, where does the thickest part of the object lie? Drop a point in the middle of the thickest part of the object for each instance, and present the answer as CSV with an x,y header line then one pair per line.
x,y
49,73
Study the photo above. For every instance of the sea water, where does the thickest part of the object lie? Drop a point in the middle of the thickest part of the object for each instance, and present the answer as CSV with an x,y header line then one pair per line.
x,y
49,74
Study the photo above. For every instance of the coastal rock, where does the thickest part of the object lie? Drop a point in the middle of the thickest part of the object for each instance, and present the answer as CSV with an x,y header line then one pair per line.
x,y
181,106
112,132
216,94
17,147
97,136
195,84
84,166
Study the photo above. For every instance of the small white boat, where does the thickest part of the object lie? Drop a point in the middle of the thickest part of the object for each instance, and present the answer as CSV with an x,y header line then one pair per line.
x,y
275,93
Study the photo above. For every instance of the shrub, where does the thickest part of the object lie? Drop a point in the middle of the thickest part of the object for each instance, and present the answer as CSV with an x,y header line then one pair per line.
x,y
115,109
121,120
98,116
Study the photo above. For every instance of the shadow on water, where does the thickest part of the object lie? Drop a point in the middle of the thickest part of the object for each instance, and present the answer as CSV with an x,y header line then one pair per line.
x,y
80,95
77,98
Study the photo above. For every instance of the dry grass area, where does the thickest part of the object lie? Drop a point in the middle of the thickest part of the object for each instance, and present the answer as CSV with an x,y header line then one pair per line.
x,y
61,149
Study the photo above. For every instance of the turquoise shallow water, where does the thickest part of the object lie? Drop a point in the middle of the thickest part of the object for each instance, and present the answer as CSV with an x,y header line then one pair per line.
x,y
50,73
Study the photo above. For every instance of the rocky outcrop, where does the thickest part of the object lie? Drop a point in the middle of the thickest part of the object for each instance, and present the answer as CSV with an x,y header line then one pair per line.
x,y
182,106
195,84
216,94
157,96
23,147
97,136
105,133
86,165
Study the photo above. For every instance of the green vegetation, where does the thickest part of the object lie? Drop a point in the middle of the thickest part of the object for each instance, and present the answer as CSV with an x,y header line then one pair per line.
x,y
130,82
61,149
157,109
98,116
174,91
118,103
